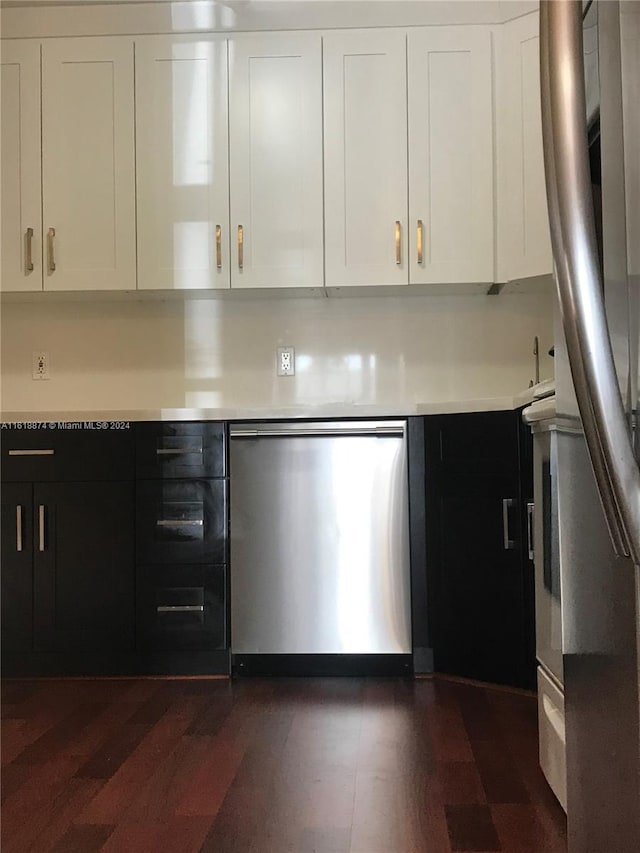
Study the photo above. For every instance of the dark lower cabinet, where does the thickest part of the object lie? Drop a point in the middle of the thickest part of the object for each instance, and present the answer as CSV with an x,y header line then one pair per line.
x,y
83,566
480,577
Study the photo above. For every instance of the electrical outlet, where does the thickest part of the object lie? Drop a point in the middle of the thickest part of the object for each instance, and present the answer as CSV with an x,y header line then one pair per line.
x,y
286,363
40,365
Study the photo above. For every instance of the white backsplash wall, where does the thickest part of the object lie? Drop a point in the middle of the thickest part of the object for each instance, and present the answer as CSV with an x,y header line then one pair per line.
x,y
380,350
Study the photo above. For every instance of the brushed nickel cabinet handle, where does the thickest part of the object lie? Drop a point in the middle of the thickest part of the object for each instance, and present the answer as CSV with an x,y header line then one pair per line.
x,y
509,544
18,527
180,608
420,241
218,247
530,528
41,542
51,260
177,451
398,234
240,247
28,261
47,452
179,522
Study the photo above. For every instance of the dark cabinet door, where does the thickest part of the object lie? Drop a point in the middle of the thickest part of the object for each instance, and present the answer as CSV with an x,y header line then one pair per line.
x,y
477,548
181,521
83,566
17,567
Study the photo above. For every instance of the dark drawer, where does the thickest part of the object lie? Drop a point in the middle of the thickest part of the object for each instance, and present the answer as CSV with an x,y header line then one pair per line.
x,y
181,521
73,453
181,607
180,450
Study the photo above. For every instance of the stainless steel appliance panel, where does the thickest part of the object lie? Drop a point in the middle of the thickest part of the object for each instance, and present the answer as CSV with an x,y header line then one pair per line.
x,y
597,363
320,540
548,590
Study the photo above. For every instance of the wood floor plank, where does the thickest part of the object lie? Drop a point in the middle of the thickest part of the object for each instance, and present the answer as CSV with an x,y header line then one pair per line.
x,y
273,766
158,742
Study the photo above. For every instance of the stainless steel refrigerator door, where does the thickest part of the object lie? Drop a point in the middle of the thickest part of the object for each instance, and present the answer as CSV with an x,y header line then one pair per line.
x,y
599,588
319,544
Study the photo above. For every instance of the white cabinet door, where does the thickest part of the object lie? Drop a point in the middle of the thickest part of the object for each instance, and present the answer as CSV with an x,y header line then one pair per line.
x,y
451,155
365,146
88,164
20,175
182,163
524,244
275,145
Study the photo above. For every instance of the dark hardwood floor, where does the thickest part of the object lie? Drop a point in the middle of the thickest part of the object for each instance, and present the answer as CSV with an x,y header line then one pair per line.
x,y
272,766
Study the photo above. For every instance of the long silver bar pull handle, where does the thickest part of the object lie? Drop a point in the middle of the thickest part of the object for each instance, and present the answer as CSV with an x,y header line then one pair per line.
x,y
18,528
509,543
28,243
577,272
41,540
180,608
420,241
32,452
530,528
51,258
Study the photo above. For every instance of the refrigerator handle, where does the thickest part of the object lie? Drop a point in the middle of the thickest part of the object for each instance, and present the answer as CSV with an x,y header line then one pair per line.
x,y
577,272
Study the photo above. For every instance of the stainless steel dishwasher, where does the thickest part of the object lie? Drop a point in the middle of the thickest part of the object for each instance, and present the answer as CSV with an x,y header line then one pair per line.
x,y
320,539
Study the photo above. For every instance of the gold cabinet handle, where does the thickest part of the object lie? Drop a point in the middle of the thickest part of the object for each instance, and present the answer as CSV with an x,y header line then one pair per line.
x,y
398,228
420,241
240,247
51,260
28,261
218,247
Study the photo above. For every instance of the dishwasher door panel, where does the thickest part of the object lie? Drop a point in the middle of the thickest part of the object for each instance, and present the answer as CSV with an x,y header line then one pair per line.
x,y
320,545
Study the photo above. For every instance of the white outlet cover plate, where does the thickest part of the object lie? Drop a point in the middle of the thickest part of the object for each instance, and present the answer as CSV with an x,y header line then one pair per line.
x,y
286,361
40,365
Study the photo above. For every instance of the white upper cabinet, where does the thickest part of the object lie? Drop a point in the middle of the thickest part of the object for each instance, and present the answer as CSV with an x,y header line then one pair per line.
x,y
365,150
20,175
275,163
182,163
451,166
88,164
523,230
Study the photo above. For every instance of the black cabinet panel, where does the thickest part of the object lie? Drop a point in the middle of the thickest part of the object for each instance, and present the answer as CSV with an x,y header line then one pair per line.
x,y
17,570
180,450
67,454
181,607
83,566
480,590
181,521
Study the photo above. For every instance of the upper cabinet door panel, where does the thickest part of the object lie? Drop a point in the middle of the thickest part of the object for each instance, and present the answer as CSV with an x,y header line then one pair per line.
x,y
526,243
451,155
88,164
20,176
182,163
365,140
275,137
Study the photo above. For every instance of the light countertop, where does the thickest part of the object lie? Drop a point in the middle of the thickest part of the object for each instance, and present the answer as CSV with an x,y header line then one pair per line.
x,y
328,410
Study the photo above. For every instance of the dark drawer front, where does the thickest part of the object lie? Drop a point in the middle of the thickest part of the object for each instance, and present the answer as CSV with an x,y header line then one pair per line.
x,y
73,453
181,521
180,450
181,607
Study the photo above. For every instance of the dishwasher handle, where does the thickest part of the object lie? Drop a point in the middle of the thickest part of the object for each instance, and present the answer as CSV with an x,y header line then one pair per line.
x,y
391,430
